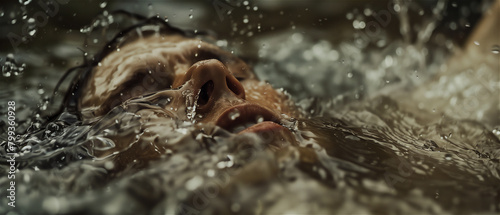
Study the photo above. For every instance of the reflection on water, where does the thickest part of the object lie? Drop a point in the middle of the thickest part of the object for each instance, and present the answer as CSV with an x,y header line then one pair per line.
x,y
395,124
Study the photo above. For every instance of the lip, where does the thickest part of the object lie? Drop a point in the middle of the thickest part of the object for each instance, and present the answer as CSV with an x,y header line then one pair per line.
x,y
248,114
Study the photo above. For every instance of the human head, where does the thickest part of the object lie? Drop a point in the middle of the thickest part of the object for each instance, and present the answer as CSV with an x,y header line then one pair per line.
x,y
185,77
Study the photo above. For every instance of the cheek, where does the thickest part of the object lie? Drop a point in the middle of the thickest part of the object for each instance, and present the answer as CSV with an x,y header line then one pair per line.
x,y
263,94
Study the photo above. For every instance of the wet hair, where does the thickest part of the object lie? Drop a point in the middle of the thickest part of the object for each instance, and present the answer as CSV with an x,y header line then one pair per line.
x,y
145,27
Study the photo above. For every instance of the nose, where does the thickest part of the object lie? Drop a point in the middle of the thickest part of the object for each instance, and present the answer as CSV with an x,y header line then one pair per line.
x,y
212,81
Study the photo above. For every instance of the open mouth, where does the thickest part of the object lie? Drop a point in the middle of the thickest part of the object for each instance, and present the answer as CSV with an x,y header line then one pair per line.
x,y
248,118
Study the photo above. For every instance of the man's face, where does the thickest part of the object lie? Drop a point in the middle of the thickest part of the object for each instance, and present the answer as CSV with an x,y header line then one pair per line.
x,y
185,79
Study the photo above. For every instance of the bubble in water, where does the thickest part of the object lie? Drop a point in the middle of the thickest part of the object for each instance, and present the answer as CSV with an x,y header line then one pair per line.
x,y
103,4
190,16
476,43
495,49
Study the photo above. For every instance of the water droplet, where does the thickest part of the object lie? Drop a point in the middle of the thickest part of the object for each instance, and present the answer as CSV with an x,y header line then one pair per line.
x,y
234,114
447,157
210,173
349,75
260,119
190,16
349,16
476,43
24,2
109,165
41,91
194,183
32,32
495,49
397,8
496,131
103,4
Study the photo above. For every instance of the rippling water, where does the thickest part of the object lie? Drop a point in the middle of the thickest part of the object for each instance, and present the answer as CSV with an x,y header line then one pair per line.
x,y
400,122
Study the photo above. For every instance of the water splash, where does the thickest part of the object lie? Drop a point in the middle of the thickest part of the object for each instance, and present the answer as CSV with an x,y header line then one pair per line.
x,y
11,68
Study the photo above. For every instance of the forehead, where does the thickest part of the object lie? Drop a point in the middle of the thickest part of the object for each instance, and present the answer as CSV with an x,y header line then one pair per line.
x,y
160,52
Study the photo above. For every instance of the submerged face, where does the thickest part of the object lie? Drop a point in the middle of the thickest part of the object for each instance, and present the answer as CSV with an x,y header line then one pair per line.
x,y
186,79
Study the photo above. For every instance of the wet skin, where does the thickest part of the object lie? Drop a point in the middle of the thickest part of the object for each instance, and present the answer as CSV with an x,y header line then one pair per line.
x,y
173,77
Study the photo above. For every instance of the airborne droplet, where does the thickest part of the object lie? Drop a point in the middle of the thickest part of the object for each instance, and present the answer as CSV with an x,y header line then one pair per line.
x,y
495,49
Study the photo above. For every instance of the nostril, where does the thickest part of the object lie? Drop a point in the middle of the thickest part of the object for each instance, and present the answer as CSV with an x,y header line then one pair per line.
x,y
234,87
205,92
